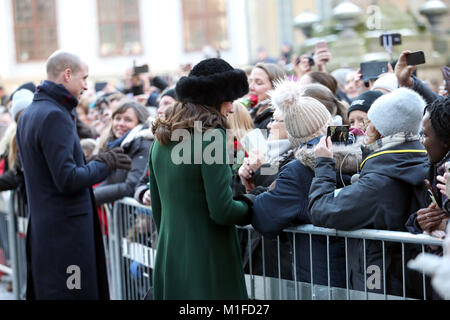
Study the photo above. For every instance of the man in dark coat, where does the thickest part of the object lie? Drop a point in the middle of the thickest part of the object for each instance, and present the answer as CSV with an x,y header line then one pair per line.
x,y
65,254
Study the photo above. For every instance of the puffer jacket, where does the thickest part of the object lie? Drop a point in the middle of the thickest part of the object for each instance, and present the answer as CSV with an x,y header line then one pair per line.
x,y
286,205
389,189
121,183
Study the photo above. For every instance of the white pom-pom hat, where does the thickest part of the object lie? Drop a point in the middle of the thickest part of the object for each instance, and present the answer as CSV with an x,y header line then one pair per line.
x,y
306,118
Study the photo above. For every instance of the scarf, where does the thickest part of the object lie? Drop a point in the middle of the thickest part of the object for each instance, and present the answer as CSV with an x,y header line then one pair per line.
x,y
59,93
387,143
276,149
117,142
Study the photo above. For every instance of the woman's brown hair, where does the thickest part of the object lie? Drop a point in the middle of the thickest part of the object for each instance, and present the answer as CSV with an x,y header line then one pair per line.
x,y
325,79
183,116
327,98
275,72
141,113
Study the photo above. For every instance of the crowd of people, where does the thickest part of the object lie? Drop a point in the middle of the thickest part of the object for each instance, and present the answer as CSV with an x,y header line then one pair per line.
x,y
62,138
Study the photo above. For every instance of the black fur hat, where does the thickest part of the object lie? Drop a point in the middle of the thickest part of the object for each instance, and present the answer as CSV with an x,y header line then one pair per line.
x,y
212,82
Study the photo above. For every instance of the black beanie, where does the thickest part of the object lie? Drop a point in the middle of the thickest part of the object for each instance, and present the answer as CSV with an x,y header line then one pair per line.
x,y
169,92
212,82
364,101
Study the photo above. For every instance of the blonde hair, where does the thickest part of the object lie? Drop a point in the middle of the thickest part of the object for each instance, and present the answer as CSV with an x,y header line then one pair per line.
x,y
240,123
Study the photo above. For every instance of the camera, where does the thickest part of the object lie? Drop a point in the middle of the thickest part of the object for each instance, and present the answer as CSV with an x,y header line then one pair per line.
x,y
311,60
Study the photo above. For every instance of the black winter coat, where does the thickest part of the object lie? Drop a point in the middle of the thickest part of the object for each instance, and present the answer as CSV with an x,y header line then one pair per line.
x,y
261,121
383,199
121,183
64,241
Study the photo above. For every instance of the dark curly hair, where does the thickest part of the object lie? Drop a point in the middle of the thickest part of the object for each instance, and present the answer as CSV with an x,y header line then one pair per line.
x,y
439,112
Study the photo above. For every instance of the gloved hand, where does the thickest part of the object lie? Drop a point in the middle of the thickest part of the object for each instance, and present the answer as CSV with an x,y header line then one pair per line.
x,y
114,159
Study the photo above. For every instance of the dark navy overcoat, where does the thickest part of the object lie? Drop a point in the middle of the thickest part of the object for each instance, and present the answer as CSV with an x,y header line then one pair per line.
x,y
65,251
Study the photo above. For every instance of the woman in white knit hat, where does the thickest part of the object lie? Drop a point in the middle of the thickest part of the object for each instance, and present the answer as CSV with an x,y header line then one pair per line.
x,y
285,203
389,189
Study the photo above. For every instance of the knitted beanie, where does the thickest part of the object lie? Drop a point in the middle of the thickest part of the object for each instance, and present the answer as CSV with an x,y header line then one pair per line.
x,y
169,92
388,82
21,100
212,82
400,111
305,117
364,101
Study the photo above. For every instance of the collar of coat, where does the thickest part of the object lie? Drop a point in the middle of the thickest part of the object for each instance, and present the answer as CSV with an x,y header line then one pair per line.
x,y
58,93
347,157
140,131
387,145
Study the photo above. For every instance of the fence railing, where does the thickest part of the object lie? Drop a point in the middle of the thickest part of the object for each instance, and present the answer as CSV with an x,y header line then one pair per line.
x,y
300,264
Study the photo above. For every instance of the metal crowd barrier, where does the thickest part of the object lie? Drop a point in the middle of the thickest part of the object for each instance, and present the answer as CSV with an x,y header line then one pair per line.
x,y
130,238
5,256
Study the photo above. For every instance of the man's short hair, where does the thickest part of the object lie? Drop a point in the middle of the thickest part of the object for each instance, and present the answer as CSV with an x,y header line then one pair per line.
x,y
60,61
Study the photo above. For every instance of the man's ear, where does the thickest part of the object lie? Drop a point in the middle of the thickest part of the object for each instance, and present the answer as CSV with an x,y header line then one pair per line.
x,y
67,75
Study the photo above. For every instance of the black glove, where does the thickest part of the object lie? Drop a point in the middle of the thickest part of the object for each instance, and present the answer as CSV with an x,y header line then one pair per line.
x,y
114,159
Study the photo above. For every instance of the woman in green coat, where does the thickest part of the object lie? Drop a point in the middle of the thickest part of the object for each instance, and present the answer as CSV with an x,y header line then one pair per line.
x,y
190,187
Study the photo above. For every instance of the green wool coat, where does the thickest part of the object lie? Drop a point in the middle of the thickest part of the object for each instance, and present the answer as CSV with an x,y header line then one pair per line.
x,y
195,215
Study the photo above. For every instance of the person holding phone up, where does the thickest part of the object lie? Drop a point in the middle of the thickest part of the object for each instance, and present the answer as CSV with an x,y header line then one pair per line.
x,y
394,166
436,139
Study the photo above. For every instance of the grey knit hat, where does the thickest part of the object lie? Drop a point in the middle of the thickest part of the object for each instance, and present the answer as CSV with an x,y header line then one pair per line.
x,y
21,100
400,111
305,117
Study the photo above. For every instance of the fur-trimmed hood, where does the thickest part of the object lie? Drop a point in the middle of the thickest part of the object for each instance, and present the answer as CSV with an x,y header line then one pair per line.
x,y
141,131
347,156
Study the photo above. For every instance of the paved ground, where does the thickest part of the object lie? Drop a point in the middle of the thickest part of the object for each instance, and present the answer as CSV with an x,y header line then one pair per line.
x,y
4,294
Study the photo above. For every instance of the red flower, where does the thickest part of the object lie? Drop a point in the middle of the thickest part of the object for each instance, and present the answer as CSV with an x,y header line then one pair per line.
x,y
253,100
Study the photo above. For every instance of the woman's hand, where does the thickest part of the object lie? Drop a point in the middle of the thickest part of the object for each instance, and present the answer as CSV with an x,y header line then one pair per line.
x,y
443,91
321,58
324,148
430,218
255,160
403,71
246,175
443,183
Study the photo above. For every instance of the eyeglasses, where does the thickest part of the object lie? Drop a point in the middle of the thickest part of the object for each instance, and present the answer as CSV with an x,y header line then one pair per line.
x,y
275,120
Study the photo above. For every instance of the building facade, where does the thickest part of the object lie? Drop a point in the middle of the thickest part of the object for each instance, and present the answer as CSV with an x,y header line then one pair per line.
x,y
113,34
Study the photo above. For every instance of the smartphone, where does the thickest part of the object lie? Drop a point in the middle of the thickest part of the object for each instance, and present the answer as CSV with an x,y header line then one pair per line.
x,y
432,193
415,58
141,69
446,75
390,39
321,45
338,133
373,69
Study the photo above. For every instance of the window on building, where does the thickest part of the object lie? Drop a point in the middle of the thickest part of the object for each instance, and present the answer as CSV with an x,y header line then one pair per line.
x,y
119,25
35,27
205,24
